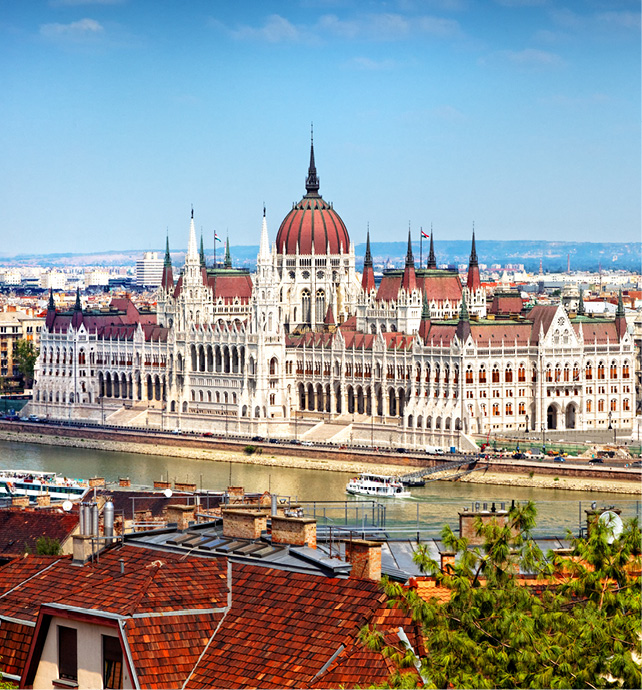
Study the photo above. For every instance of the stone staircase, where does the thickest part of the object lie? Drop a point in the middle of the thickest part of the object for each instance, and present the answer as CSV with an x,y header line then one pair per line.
x,y
127,417
335,431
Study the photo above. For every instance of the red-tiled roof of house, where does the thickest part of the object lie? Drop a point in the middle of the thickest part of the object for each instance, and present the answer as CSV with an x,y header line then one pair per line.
x,y
15,639
21,529
165,649
541,315
506,304
283,627
595,331
230,285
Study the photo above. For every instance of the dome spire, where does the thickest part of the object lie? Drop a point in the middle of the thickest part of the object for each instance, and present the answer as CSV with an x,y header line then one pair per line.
x,y
410,259
228,256
368,279
473,252
312,181
192,250
432,261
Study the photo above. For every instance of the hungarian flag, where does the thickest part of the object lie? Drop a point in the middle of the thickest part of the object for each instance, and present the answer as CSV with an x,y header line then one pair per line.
x,y
424,234
217,238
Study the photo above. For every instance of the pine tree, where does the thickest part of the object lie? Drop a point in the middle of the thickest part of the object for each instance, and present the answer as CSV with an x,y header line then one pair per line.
x,y
575,622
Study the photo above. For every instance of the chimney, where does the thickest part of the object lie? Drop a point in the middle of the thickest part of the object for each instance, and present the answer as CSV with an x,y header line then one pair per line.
x,y
20,502
43,500
294,531
447,562
235,494
160,484
82,549
365,557
243,524
184,486
181,514
124,482
467,521
96,482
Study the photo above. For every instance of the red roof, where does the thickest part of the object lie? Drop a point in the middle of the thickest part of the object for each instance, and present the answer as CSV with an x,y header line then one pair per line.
x,y
283,627
438,286
20,529
312,223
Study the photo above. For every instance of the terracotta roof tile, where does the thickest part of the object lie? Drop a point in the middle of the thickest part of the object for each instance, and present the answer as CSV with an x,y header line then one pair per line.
x,y
20,529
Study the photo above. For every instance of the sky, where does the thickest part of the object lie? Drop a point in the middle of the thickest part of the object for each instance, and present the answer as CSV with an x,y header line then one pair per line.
x,y
119,116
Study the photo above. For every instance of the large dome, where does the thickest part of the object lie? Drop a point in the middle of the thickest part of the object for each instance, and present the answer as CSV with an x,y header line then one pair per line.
x,y
312,223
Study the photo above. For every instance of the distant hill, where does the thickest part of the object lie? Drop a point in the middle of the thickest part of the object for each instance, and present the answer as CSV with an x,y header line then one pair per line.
x,y
584,255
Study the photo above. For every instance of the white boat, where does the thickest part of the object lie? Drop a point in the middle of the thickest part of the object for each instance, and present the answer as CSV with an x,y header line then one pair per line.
x,y
32,483
377,485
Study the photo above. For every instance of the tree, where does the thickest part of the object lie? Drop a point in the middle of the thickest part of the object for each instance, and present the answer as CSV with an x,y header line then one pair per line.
x,y
577,624
25,356
48,546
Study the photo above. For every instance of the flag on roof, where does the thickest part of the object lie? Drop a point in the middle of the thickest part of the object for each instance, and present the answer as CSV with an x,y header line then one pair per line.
x,y
217,238
424,234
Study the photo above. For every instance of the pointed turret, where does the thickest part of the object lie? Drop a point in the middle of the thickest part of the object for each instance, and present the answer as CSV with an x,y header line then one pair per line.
x,y
409,280
329,316
51,310
463,327
228,256
264,247
201,253
473,282
192,251
432,261
312,180
76,319
424,325
167,281
580,307
620,317
368,279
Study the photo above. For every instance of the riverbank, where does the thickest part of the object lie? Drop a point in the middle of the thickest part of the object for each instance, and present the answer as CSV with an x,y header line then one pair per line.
x,y
212,454
320,461
538,481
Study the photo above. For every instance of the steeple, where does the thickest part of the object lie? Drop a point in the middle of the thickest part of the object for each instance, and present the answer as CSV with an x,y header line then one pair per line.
x,y
167,281
264,247
463,327
432,261
312,181
76,319
473,282
51,310
620,318
201,254
580,307
192,251
368,279
409,280
228,256
424,324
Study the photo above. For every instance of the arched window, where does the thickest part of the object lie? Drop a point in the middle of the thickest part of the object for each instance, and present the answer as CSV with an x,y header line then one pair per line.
x,y
508,374
588,374
495,378
482,374
320,305
305,306
625,370
589,405
600,371
613,370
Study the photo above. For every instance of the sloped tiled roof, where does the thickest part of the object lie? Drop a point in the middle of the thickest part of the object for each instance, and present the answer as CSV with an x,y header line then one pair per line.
x,y
165,649
15,639
283,628
20,529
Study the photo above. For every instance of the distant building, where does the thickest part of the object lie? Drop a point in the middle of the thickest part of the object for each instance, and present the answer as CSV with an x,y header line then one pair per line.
x,y
15,326
96,276
53,280
149,270
11,276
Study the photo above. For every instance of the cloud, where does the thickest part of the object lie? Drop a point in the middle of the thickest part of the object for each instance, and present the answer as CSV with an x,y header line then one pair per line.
x,y
371,27
276,29
367,64
75,31
600,21
529,57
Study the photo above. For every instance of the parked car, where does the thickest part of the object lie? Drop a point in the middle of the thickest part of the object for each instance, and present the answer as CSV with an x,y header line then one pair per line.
x,y
519,456
637,463
559,458
257,438
596,461
307,443
177,431
207,434
401,450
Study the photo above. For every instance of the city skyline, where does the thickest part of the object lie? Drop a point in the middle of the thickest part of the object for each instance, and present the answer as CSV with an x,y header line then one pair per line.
x,y
519,115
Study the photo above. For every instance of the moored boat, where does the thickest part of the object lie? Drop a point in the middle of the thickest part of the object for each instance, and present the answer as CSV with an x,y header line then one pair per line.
x,y
377,485
32,483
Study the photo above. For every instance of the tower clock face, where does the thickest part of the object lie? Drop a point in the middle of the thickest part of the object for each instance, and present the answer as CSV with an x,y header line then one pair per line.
x,y
320,274
305,275
292,275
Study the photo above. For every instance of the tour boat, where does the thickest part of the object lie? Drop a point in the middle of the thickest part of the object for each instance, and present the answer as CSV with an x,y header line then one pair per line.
x,y
377,485
32,483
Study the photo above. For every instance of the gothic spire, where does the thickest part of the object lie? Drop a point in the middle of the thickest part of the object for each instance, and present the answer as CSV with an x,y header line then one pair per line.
x,y
201,253
464,315
620,305
410,259
228,256
312,181
192,251
473,251
432,261
367,259
78,305
425,311
52,304
168,258
368,279
580,307
264,247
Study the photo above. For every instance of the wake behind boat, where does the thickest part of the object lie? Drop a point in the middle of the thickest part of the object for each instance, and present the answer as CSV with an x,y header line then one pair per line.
x,y
377,485
31,483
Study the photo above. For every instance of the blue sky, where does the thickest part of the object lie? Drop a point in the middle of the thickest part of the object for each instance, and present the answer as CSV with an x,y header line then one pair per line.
x,y
117,115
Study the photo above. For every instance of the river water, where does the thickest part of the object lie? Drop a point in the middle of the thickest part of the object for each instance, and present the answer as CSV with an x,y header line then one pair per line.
x,y
428,509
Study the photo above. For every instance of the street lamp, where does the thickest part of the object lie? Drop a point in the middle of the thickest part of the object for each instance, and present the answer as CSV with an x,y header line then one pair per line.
x,y
526,423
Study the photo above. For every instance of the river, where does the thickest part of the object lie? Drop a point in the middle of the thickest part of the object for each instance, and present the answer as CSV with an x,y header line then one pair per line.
x,y
428,509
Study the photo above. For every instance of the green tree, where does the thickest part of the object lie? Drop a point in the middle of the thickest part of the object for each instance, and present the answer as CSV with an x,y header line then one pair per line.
x,y
578,625
46,546
25,355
